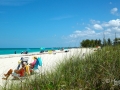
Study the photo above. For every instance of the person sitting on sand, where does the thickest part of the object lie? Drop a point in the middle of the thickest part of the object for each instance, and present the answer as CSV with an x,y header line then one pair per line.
x,y
17,73
25,69
22,52
8,74
33,63
20,72
22,60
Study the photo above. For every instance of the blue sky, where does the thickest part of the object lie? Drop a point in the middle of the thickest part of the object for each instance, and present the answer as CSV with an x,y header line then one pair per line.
x,y
57,23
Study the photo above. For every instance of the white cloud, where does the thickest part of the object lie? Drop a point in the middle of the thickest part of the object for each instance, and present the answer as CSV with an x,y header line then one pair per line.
x,y
114,11
112,23
79,33
97,27
87,28
105,24
94,21
108,28
116,29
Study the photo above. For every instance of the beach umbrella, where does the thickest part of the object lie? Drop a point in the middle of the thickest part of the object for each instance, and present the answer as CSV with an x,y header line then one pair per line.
x,y
42,48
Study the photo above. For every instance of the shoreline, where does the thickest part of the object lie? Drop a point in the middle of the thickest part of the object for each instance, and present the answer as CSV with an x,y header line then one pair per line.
x,y
29,54
33,53
12,51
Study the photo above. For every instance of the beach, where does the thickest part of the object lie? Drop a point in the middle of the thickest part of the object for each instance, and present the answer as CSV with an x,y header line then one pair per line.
x,y
49,60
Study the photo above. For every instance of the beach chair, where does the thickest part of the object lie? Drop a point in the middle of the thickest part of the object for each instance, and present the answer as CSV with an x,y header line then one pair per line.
x,y
22,60
37,64
27,73
17,77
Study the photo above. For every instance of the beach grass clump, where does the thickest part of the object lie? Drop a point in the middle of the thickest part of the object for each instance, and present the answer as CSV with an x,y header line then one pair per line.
x,y
96,71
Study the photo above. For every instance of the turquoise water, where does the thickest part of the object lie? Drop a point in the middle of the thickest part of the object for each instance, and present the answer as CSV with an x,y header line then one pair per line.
x,y
4,51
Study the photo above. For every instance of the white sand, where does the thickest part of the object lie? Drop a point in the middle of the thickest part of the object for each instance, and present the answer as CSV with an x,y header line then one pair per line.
x,y
49,60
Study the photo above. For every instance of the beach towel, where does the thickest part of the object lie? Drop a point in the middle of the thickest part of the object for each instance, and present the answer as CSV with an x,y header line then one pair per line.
x,y
27,69
50,52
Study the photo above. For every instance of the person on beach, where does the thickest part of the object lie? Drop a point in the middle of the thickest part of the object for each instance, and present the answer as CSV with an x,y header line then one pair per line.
x,y
25,69
22,52
20,72
33,63
26,52
21,61
17,73
28,66
8,74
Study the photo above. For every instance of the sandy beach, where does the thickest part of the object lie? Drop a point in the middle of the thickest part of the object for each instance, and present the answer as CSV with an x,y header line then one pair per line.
x,y
49,60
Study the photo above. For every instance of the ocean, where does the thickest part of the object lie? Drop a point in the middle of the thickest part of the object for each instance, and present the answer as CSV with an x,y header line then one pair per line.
x,y
4,51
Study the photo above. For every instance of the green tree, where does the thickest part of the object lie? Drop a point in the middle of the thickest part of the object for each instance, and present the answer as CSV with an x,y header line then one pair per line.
x,y
99,42
104,42
90,43
109,42
116,41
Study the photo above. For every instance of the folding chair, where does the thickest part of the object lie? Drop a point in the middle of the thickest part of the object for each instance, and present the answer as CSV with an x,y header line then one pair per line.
x,y
22,60
38,63
26,74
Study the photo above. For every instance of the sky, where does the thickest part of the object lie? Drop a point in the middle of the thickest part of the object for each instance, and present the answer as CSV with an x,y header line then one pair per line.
x,y
57,23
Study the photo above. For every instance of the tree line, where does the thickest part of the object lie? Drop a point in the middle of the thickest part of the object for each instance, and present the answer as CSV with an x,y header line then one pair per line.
x,y
98,42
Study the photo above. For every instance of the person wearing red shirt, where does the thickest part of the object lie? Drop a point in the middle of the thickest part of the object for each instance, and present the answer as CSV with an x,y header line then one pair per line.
x,y
20,72
17,73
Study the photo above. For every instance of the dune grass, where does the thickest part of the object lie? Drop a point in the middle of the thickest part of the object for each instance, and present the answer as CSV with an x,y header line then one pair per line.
x,y
96,71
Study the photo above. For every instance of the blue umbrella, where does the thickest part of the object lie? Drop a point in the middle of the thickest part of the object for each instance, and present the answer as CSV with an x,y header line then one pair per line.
x,y
42,48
